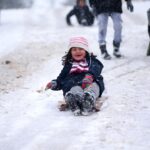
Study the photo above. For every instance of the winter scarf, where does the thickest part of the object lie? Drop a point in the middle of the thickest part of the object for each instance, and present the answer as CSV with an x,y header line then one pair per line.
x,y
79,66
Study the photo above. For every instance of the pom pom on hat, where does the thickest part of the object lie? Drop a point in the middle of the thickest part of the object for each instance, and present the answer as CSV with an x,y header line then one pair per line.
x,y
80,42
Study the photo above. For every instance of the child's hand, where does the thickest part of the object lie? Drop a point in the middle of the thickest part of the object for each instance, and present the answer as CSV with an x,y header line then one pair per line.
x,y
88,79
51,85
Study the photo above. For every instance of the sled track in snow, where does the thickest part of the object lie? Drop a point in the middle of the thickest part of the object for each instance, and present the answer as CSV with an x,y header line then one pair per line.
x,y
129,72
120,65
123,71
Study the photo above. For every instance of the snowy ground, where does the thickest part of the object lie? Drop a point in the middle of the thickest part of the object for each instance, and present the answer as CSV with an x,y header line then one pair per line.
x,y
32,43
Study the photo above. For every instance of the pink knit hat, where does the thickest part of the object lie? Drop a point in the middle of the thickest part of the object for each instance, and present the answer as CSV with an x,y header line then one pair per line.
x,y
80,42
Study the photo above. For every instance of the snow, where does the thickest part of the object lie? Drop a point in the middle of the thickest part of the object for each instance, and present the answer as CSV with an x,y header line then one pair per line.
x,y
34,41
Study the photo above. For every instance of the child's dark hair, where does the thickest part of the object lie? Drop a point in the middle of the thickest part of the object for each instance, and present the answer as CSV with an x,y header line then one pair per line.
x,y
68,58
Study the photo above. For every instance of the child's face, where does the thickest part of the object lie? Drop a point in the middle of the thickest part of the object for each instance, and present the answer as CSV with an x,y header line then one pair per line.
x,y
78,53
81,3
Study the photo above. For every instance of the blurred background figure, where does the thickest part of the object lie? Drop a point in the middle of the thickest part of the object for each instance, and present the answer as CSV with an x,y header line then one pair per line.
x,y
148,14
82,12
113,9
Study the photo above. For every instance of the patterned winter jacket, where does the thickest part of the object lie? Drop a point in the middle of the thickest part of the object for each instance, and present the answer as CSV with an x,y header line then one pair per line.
x,y
65,80
106,6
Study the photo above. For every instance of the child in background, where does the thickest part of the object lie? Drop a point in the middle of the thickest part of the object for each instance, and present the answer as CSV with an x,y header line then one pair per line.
x,y
83,14
80,78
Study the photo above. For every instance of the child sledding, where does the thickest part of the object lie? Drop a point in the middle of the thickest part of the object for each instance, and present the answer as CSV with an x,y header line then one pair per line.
x,y
80,79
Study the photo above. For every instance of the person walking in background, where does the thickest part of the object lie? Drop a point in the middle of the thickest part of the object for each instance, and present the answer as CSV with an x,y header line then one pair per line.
x,y
105,9
83,14
149,30
148,15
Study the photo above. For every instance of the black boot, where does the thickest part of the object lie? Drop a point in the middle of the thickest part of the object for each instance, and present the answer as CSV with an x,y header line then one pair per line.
x,y
116,52
73,102
88,104
104,52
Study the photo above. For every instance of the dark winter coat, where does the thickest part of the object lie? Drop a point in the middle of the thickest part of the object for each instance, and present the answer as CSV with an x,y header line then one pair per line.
x,y
81,13
106,6
65,80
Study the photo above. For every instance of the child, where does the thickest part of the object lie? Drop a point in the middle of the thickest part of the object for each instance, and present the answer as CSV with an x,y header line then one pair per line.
x,y
83,14
80,78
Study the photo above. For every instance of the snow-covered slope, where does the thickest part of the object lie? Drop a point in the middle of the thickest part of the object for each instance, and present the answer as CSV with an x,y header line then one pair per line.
x,y
31,121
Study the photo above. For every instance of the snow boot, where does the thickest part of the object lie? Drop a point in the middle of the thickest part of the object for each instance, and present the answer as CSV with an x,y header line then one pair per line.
x,y
77,112
116,52
104,52
70,100
78,98
74,102
88,104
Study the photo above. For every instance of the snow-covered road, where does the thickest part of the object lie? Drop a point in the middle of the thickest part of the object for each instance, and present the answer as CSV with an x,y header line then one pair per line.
x,y
31,121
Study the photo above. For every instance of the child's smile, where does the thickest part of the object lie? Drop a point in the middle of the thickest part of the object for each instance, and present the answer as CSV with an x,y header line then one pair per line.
x,y
78,53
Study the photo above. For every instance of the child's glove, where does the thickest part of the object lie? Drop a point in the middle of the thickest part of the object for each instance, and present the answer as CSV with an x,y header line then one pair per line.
x,y
130,5
88,79
51,85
